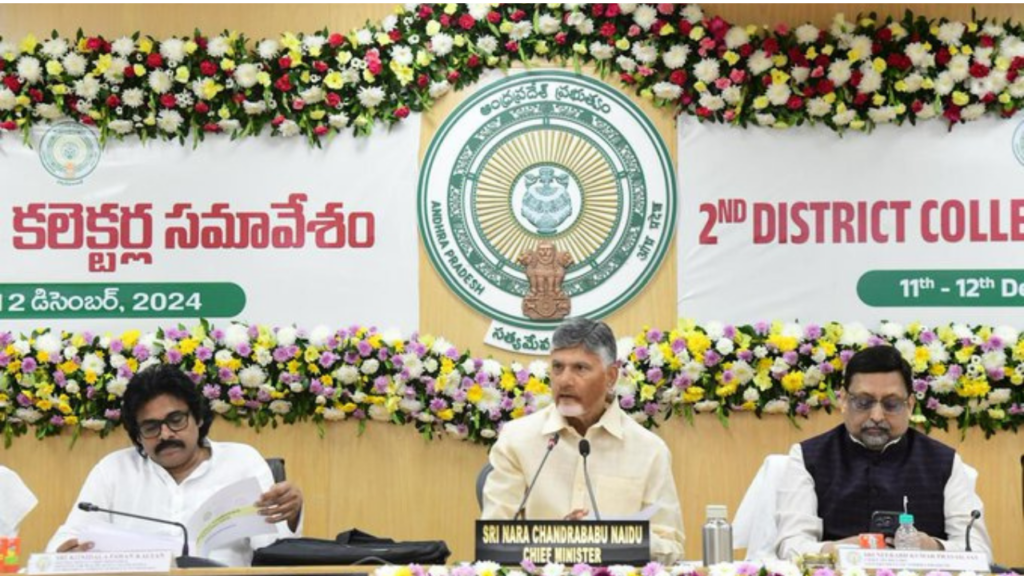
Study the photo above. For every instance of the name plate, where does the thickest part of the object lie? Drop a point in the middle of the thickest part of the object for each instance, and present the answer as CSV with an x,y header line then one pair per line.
x,y
603,543
101,562
913,560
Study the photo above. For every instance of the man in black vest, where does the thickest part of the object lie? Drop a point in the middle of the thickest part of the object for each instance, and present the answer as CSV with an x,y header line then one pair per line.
x,y
836,480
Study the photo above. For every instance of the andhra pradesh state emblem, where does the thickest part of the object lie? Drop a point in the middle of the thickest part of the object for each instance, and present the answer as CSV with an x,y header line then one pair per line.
x,y
69,151
545,194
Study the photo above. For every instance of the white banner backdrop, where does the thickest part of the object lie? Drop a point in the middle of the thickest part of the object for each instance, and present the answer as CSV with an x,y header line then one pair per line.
x,y
260,230
904,224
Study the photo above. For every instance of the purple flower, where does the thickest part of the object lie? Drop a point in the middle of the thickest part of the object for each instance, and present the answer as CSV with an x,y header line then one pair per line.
x,y
364,348
627,402
1016,409
125,371
523,376
23,400
728,376
729,331
678,345
116,345
203,353
253,332
651,408
57,421
745,355
217,334
174,356
351,357
880,572
955,371
235,393
711,358
920,385
140,352
358,414
806,349
528,565
281,354
380,384
829,572
803,409
875,340
927,337
654,335
112,414
328,358
641,353
651,569
790,357
762,328
451,353
812,332
225,374
90,392
845,356
263,396
315,387
244,349
29,365
826,368
654,375
578,569
59,378
438,404
252,405
993,343
932,404
747,569
211,391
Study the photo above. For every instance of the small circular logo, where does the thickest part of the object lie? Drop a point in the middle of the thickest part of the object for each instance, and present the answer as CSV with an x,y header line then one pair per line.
x,y
69,152
546,194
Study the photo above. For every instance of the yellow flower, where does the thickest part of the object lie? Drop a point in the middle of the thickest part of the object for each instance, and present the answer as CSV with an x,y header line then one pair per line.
x,y
731,57
291,42
793,382
475,394
227,64
446,414
188,345
191,47
761,102
878,99
779,77
536,387
64,408
28,44
375,341
518,412
853,55
693,394
145,45
349,407
937,369
780,60
44,404
972,387
668,30
433,27
54,68
697,342
647,392
697,33
622,44
960,98
381,38
783,343
508,381
878,64
181,74
447,365
199,367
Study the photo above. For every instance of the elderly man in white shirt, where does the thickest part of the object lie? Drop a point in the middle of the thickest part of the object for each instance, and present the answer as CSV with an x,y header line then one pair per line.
x,y
631,466
174,469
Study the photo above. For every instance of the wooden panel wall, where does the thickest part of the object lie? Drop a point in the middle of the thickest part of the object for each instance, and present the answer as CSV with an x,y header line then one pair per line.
x,y
391,482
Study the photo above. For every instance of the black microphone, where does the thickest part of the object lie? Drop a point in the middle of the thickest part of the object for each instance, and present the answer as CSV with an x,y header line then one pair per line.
x,y
521,512
975,514
585,451
185,561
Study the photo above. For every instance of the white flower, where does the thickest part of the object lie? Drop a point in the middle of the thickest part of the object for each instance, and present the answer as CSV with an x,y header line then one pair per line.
x,y
487,44
693,13
645,53
220,406
314,42
736,36
30,415
313,95
759,62
319,335
871,80
751,395
882,115
338,121
123,46
891,330
379,413
370,96
777,406
94,424
675,57
252,377
992,29
74,64
972,112
117,386
944,83
347,374
913,82
839,72
999,396
778,94
94,363
441,44
712,102
169,121
245,75
1008,334
949,411
862,44
601,51
626,63
54,48
280,407
993,360
807,34
402,54
669,91
160,81
364,36
370,366
1011,47
49,111
548,24
707,70
584,25
521,30
218,47
7,99
173,49
959,67
439,88
950,33
800,73
49,343
818,107
267,49
22,347
479,11
644,16
919,55
234,336
30,69
725,346
115,72
254,108
88,87
732,95
854,334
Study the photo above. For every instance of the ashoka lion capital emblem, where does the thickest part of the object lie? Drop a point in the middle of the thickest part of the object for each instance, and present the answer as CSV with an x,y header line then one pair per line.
x,y
546,203
545,269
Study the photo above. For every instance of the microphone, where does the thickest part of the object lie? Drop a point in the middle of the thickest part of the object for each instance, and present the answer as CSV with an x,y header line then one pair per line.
x,y
184,561
521,512
585,451
975,514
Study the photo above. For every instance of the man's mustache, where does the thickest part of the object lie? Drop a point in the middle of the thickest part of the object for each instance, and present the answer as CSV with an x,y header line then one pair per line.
x,y
876,426
169,443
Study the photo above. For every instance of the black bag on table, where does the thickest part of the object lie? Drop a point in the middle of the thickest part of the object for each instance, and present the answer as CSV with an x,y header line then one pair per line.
x,y
354,547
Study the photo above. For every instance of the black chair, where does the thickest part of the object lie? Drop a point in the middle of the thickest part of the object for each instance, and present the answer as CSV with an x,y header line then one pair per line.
x,y
277,469
481,479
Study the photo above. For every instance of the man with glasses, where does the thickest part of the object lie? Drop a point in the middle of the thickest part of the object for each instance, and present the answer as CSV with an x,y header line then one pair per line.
x,y
173,469
871,462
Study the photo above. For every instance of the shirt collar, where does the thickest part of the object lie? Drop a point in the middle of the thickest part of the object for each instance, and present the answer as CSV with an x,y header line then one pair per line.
x,y
884,448
611,421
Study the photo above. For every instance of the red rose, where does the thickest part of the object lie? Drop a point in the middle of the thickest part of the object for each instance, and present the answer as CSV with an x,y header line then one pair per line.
x,y
298,104
1016,64
942,57
860,99
855,78
284,84
35,94
876,47
1011,75
770,46
202,107
473,61
746,50
277,121
686,99
9,125
466,21
3,63
395,35
677,77
917,106
657,26
597,10
704,112
627,78
284,63
71,102
987,42
201,42
445,20
988,98
93,44
168,100
633,31
453,76
884,35
207,68
666,8
494,17
425,11
795,102
87,120
607,29
685,27
738,76
238,97
211,127
402,112
335,40
320,66
333,100
154,60
979,70
320,130
129,71
561,38
112,101
512,46
718,27
952,113
1008,112
825,86
517,15
822,60
612,10
422,80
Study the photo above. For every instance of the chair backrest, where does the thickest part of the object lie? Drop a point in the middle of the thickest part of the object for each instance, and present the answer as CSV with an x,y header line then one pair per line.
x,y
277,469
481,479
754,527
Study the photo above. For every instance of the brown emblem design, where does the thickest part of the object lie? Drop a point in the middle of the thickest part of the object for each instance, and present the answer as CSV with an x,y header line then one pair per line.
x,y
545,269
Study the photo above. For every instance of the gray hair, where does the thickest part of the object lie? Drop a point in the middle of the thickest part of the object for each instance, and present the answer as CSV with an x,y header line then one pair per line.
x,y
594,336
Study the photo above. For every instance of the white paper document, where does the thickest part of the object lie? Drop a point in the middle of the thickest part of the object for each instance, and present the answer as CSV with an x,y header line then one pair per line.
x,y
229,515
110,538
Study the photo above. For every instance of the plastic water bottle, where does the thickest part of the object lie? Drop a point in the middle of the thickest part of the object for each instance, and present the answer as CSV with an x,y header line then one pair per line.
x,y
906,535
717,536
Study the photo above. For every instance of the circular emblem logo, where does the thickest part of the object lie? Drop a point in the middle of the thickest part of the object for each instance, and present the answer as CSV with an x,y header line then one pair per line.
x,y
69,151
546,194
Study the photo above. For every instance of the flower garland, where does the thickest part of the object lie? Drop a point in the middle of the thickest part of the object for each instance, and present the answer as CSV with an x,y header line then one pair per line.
x,y
769,568
854,75
264,376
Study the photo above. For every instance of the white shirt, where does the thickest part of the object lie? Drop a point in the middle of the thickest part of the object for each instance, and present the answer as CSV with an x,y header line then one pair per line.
x,y
16,503
630,467
800,528
127,482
